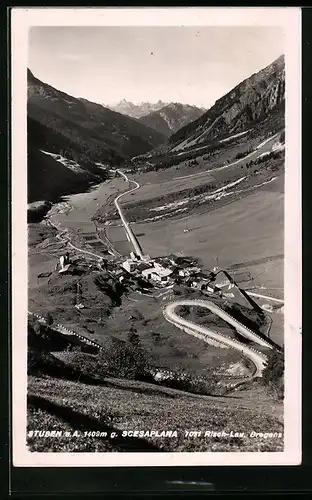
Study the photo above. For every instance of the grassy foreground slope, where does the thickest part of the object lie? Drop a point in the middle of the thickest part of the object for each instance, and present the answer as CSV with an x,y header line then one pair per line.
x,y
56,404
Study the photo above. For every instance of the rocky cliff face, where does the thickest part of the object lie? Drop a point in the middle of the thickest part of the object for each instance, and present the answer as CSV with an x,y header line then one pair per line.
x,y
251,100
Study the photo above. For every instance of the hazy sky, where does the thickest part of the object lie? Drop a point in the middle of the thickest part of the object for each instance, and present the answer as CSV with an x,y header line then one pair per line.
x,y
194,65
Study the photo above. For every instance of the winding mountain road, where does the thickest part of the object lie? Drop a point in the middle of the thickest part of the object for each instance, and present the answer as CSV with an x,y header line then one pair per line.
x,y
65,238
258,358
129,233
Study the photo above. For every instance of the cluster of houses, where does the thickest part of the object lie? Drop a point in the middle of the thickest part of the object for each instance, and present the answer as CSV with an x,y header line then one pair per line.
x,y
172,270
202,281
145,273
162,271
148,269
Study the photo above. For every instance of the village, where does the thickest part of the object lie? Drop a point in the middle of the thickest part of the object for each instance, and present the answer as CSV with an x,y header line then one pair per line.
x,y
147,274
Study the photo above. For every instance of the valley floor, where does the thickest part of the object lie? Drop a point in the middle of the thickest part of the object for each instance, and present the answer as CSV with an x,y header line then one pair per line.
x,y
244,236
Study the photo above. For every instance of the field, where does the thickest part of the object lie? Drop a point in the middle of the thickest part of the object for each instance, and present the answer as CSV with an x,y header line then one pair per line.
x,y
246,234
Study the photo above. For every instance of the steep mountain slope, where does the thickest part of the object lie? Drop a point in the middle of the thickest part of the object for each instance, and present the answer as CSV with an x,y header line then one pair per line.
x,y
137,110
249,102
171,118
53,168
68,136
81,120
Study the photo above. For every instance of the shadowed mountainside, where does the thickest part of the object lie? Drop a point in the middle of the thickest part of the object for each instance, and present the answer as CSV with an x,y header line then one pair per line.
x,y
79,134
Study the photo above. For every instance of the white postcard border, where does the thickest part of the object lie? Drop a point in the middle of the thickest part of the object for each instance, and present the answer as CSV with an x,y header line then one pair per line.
x,y
290,20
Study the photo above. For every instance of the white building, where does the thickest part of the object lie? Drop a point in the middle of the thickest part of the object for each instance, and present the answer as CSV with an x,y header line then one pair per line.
x,y
146,258
184,272
187,271
129,265
157,273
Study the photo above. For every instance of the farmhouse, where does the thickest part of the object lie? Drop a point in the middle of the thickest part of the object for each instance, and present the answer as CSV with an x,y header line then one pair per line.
x,y
157,273
129,265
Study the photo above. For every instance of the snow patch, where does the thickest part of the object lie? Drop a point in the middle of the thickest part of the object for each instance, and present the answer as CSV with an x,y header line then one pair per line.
x,y
157,217
165,118
71,164
233,136
217,194
278,146
266,153
265,141
170,205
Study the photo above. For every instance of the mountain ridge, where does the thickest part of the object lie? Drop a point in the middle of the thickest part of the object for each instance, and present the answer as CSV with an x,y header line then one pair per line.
x,y
144,108
79,134
94,118
170,118
133,110
252,99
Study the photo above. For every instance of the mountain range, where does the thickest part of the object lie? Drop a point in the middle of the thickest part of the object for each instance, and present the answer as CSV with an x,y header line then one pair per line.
x,y
77,131
136,110
164,117
170,118
72,141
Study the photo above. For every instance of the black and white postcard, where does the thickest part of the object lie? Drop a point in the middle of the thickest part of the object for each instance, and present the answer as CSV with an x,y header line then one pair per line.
x,y
156,259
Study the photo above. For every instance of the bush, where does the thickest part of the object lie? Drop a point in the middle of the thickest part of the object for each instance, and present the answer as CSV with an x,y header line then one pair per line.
x,y
187,381
88,364
127,361
138,315
200,311
43,363
156,337
49,319
122,359
39,337
183,310
133,337
242,154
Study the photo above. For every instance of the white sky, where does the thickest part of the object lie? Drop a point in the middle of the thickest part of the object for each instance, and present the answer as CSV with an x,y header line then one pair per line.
x,y
194,65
